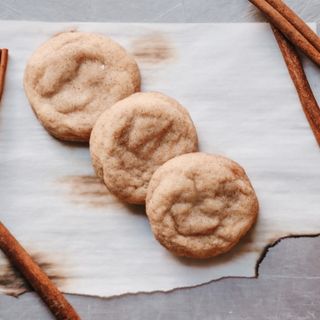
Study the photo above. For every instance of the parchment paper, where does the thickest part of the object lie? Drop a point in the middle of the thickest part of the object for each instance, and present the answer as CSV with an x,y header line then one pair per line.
x,y
232,79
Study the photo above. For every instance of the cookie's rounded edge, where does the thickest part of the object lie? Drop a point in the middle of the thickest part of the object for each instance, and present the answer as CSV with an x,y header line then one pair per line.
x,y
95,140
65,133
184,251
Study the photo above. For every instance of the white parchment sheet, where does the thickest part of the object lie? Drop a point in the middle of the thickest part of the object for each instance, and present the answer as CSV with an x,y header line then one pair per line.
x,y
233,80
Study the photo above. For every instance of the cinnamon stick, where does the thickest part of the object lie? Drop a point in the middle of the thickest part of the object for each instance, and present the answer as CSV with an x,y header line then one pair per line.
x,y
40,282
296,21
298,76
3,67
288,29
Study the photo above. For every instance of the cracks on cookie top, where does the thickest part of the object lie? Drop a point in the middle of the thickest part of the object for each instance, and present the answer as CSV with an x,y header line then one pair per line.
x,y
142,136
49,90
190,223
149,146
74,63
152,135
46,88
228,192
190,216
51,79
141,140
143,148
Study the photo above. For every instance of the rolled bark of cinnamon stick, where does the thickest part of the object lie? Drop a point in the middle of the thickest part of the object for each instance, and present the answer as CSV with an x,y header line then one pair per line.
x,y
40,282
296,21
4,53
288,30
299,78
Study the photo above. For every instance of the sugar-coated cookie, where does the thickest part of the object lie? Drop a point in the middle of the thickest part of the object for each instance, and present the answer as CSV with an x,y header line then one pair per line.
x,y
73,77
200,205
136,136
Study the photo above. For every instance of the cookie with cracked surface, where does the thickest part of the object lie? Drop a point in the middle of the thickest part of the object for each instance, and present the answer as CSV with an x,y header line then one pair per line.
x,y
73,77
136,136
200,205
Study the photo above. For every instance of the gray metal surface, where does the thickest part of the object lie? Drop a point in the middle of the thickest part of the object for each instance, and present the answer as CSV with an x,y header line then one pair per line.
x,y
145,10
288,286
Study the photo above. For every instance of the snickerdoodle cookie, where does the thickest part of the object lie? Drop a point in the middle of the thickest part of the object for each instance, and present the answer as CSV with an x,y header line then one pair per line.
x,y
200,205
72,78
134,137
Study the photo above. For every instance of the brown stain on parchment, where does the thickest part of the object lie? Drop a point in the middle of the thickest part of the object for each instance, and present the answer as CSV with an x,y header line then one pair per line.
x,y
88,190
13,282
153,48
